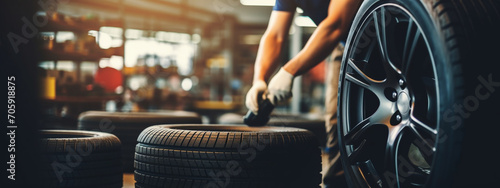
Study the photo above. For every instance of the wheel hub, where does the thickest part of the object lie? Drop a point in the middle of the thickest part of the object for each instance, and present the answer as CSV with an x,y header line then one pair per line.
x,y
403,103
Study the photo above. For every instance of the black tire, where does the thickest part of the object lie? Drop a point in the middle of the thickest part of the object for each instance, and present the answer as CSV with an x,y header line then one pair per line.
x,y
79,159
311,123
227,156
420,112
127,126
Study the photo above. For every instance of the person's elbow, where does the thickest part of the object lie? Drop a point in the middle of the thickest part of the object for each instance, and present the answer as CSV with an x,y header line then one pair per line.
x,y
335,26
273,38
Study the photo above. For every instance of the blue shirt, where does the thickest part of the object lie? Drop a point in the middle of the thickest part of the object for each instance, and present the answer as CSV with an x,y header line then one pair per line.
x,y
317,10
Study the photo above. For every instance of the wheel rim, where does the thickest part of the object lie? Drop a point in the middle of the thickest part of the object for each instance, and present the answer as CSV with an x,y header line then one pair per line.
x,y
389,101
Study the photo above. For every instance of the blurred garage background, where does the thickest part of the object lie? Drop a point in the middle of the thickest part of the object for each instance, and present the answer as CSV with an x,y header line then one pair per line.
x,y
147,55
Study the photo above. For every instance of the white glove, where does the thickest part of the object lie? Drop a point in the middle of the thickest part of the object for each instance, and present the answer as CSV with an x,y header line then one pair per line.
x,y
253,95
280,87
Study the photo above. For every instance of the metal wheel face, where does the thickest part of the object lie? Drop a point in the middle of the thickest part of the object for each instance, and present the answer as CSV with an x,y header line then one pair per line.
x,y
389,101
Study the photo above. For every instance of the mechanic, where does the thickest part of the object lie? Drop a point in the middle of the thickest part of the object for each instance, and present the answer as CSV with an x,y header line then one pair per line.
x,y
333,18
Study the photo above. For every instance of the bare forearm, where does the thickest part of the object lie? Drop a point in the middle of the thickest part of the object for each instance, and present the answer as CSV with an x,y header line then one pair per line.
x,y
271,45
318,47
267,57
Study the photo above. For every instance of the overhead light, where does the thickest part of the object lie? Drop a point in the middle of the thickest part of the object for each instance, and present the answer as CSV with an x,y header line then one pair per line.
x,y
304,21
104,62
105,40
66,66
195,38
187,84
63,36
114,32
258,2
133,33
116,62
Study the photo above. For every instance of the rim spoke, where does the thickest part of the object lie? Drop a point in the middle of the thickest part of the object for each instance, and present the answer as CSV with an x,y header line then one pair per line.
x,y
359,154
366,81
358,130
381,32
352,64
370,50
356,81
425,145
421,126
430,87
412,39
379,19
391,154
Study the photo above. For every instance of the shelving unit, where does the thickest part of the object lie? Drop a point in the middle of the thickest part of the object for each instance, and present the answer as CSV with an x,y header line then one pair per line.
x,y
64,108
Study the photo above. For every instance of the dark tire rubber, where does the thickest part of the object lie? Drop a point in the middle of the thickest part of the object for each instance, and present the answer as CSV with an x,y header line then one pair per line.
x,y
127,126
311,123
73,158
227,156
463,36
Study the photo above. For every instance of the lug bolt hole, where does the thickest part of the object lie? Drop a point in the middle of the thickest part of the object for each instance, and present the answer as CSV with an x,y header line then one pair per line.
x,y
391,94
396,118
402,83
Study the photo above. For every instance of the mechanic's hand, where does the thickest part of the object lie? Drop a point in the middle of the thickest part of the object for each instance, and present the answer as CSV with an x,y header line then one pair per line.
x,y
280,87
253,95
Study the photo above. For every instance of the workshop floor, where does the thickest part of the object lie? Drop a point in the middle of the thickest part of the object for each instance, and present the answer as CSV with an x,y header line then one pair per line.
x,y
128,180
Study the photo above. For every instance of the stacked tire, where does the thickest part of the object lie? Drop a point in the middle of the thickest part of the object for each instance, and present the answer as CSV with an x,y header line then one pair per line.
x,y
313,123
80,159
127,126
226,156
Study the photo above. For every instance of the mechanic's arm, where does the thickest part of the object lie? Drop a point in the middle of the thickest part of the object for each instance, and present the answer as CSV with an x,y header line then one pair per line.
x,y
271,44
267,60
324,39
